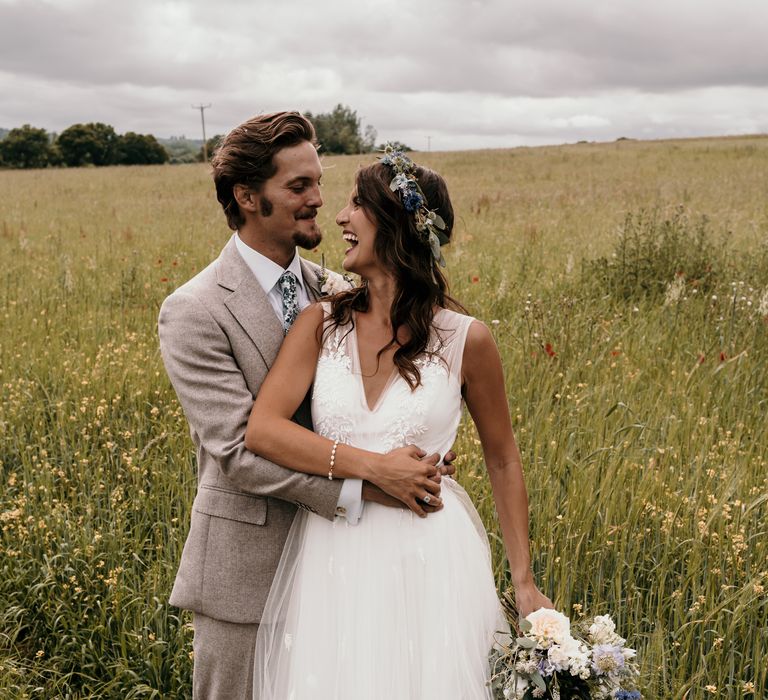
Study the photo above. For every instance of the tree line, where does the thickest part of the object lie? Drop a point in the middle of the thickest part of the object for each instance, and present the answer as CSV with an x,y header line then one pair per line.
x,y
78,145
339,131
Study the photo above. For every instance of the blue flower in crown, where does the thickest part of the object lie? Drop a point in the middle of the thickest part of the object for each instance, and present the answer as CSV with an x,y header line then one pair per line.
x,y
412,200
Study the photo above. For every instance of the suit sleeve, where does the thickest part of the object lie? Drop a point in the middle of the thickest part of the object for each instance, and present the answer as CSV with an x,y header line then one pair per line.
x,y
217,402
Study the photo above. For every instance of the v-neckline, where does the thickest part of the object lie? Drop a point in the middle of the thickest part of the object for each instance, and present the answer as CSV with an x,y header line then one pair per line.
x,y
387,385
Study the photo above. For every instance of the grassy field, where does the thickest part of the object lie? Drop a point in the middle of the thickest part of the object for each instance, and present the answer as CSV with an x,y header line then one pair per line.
x,y
627,286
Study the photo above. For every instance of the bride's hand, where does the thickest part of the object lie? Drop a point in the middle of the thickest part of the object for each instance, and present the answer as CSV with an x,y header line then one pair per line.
x,y
529,598
405,475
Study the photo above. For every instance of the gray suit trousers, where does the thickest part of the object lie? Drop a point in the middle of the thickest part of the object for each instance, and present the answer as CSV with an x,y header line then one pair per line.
x,y
223,668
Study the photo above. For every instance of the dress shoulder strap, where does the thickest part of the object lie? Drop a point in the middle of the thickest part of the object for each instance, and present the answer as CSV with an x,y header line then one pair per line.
x,y
451,330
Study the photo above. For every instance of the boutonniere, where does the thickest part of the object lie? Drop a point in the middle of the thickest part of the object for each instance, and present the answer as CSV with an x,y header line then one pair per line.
x,y
330,282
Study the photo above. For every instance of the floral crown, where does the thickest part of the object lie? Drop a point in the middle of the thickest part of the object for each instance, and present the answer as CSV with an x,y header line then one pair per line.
x,y
429,224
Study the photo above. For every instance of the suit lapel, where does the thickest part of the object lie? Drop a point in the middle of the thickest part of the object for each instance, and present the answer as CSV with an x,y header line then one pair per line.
x,y
310,273
249,304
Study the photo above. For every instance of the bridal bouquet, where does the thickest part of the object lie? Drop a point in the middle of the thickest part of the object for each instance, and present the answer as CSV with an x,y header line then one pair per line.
x,y
556,661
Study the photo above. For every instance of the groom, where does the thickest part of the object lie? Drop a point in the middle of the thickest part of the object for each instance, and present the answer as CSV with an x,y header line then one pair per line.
x,y
219,334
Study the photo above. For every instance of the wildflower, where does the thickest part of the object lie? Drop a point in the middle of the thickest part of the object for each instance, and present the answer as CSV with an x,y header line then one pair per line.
x,y
674,290
762,306
606,659
475,278
710,688
549,350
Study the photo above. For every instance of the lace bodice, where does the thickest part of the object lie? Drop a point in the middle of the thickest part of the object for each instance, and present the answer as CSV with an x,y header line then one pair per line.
x,y
427,416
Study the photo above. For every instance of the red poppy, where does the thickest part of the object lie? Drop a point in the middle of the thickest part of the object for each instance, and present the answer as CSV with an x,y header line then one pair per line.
x,y
702,358
163,279
475,278
723,357
549,350
615,353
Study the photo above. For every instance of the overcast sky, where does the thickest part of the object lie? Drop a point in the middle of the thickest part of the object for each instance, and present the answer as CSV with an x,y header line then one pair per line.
x,y
463,73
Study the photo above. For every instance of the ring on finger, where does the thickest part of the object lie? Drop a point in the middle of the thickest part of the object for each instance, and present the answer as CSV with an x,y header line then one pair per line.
x,y
427,499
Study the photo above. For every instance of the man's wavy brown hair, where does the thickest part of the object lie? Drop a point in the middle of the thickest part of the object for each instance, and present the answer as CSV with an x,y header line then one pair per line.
x,y
420,283
245,155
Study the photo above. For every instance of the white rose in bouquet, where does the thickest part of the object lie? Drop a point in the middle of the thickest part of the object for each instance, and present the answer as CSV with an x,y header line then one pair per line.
x,y
549,627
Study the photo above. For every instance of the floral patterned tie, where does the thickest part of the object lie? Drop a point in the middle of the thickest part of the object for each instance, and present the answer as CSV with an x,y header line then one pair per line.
x,y
288,284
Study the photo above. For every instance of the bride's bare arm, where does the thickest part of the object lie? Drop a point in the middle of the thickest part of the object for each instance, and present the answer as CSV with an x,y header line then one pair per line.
x,y
272,434
486,399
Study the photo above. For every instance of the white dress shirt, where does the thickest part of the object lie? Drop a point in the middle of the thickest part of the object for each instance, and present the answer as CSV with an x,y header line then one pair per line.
x,y
267,273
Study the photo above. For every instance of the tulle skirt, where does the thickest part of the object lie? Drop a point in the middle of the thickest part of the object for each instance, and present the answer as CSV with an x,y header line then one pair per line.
x,y
394,608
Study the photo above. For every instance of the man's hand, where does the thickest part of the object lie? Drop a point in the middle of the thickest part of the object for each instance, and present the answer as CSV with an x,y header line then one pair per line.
x,y
447,468
374,494
407,474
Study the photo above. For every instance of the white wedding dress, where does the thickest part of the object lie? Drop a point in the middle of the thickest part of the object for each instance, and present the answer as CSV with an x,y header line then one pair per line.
x,y
396,607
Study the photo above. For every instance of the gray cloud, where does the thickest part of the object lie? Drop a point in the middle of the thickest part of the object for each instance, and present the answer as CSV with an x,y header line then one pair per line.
x,y
484,72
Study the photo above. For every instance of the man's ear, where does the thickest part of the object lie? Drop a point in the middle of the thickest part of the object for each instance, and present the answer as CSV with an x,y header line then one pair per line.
x,y
245,198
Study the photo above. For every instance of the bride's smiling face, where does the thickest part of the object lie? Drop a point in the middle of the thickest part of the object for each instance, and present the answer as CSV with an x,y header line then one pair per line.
x,y
358,229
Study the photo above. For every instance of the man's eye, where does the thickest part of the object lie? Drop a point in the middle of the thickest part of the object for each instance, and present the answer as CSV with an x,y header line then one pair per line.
x,y
298,189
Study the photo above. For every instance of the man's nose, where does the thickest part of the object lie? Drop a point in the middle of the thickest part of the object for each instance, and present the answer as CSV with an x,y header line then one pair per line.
x,y
315,197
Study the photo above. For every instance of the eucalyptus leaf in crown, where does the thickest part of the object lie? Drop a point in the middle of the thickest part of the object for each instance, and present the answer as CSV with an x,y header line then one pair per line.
x,y
429,223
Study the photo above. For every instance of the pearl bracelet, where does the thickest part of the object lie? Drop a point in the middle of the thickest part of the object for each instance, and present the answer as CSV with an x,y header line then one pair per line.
x,y
333,459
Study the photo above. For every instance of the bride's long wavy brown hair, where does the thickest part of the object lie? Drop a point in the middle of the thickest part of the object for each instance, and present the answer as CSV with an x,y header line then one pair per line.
x,y
420,284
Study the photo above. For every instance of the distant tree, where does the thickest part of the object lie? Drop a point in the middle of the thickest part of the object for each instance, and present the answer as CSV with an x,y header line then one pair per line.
x,y
140,149
181,149
26,147
211,145
88,144
339,131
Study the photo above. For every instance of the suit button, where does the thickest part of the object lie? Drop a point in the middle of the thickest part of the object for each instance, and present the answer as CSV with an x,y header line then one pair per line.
x,y
341,510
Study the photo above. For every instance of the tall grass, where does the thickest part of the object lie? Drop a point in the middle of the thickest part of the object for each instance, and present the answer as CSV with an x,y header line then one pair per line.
x,y
640,408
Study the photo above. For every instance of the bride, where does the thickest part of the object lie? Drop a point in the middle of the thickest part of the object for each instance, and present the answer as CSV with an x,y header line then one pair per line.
x,y
402,605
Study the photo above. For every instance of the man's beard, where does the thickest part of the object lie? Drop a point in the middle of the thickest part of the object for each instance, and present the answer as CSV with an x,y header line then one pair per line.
x,y
310,240
302,239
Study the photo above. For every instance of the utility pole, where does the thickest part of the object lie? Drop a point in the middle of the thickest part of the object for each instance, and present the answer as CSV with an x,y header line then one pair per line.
x,y
202,109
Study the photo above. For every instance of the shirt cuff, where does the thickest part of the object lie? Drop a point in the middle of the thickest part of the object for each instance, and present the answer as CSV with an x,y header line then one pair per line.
x,y
350,503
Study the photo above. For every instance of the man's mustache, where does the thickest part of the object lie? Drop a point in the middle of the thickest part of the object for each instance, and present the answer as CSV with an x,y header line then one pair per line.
x,y
307,214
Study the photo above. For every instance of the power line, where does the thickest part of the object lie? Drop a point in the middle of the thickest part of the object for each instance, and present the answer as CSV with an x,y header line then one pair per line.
x,y
202,109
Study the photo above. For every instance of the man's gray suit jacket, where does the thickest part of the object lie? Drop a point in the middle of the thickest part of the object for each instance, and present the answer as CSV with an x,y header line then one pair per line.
x,y
218,338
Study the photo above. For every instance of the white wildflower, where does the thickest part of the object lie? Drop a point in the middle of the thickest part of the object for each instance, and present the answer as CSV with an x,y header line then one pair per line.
x,y
674,291
762,305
